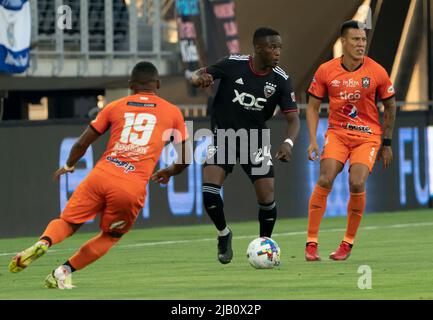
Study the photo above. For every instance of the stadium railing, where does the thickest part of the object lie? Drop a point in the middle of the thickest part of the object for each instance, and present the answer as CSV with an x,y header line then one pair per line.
x,y
103,38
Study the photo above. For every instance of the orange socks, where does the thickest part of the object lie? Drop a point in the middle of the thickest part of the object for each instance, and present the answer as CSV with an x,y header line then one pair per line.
x,y
57,231
92,250
355,209
316,209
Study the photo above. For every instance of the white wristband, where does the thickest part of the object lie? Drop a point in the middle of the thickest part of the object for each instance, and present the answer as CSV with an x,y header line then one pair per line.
x,y
289,141
68,169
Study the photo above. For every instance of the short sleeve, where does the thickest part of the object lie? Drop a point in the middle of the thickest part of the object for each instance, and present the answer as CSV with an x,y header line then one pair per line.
x,y
102,121
219,69
287,100
180,131
318,85
385,89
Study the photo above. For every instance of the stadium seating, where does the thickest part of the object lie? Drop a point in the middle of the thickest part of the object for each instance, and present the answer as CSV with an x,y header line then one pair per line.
x,y
96,25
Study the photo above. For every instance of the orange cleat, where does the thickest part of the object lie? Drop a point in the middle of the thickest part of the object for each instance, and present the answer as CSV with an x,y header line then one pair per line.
x,y
342,253
311,253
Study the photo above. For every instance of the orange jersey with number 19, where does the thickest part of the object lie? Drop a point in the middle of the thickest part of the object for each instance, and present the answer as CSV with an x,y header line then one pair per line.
x,y
352,95
140,125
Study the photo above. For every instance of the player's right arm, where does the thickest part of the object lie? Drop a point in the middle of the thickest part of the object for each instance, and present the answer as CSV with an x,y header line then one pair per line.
x,y
313,111
96,128
204,77
316,92
77,151
200,78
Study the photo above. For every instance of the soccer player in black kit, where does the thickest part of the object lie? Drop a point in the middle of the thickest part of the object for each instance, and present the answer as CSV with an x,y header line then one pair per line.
x,y
250,89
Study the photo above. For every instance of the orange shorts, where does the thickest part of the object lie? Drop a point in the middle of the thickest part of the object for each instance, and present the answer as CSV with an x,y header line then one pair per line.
x,y
341,146
117,200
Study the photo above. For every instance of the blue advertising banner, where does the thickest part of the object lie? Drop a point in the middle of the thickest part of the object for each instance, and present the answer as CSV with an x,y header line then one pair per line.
x,y
29,198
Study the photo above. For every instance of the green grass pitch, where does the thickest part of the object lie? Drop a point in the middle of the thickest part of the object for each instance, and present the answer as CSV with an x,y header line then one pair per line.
x,y
180,263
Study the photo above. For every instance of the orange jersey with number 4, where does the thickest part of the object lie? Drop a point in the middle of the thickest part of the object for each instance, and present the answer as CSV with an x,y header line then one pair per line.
x,y
352,95
140,125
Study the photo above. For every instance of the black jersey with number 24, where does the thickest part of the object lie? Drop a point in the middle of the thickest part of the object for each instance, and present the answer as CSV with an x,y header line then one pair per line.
x,y
245,98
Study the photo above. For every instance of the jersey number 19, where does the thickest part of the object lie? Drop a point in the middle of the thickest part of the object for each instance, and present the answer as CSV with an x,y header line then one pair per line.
x,y
133,120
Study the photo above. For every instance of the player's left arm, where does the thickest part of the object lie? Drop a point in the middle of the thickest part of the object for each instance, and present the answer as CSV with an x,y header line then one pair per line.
x,y
287,103
183,160
284,152
388,127
183,148
77,151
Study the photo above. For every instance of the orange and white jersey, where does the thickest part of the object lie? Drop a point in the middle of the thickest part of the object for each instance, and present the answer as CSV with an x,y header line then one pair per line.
x,y
140,125
352,95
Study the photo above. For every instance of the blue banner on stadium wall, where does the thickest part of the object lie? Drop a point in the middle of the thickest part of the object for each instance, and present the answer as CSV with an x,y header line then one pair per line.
x,y
29,198
15,34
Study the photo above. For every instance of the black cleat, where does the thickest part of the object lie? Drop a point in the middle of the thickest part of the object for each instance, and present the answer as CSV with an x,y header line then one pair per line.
x,y
225,252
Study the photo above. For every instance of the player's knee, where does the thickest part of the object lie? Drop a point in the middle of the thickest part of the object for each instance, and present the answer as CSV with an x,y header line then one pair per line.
x,y
325,181
266,198
75,226
357,185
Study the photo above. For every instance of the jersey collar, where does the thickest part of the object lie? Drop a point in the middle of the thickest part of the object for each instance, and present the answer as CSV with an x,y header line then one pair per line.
x,y
250,63
357,68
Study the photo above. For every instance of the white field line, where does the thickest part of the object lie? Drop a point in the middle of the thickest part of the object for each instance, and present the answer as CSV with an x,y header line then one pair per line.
x,y
275,235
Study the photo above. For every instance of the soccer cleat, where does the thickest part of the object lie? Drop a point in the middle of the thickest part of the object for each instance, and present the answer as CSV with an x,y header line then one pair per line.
x,y
225,252
311,253
342,253
24,258
61,278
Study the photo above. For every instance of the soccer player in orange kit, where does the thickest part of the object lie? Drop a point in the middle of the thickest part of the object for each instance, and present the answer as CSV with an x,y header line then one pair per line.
x,y
354,133
140,125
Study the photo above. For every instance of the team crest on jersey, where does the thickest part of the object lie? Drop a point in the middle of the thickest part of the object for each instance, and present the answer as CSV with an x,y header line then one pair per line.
x,y
366,82
269,89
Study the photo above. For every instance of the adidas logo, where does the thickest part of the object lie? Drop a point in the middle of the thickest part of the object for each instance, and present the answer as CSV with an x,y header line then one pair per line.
x,y
239,81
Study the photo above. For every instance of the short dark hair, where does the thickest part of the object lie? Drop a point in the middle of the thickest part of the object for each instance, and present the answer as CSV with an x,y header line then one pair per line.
x,y
263,32
351,24
144,71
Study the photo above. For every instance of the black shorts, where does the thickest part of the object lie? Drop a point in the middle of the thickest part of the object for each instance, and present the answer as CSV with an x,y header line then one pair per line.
x,y
252,153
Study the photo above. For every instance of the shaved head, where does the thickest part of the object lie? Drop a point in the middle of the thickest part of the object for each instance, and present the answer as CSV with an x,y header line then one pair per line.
x,y
144,77
144,72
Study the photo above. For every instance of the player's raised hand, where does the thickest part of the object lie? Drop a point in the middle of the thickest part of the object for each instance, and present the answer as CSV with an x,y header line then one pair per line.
x,y
284,153
385,155
161,176
313,151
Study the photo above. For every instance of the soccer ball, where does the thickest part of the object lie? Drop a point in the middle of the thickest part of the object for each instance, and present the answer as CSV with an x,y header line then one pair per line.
x,y
263,253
